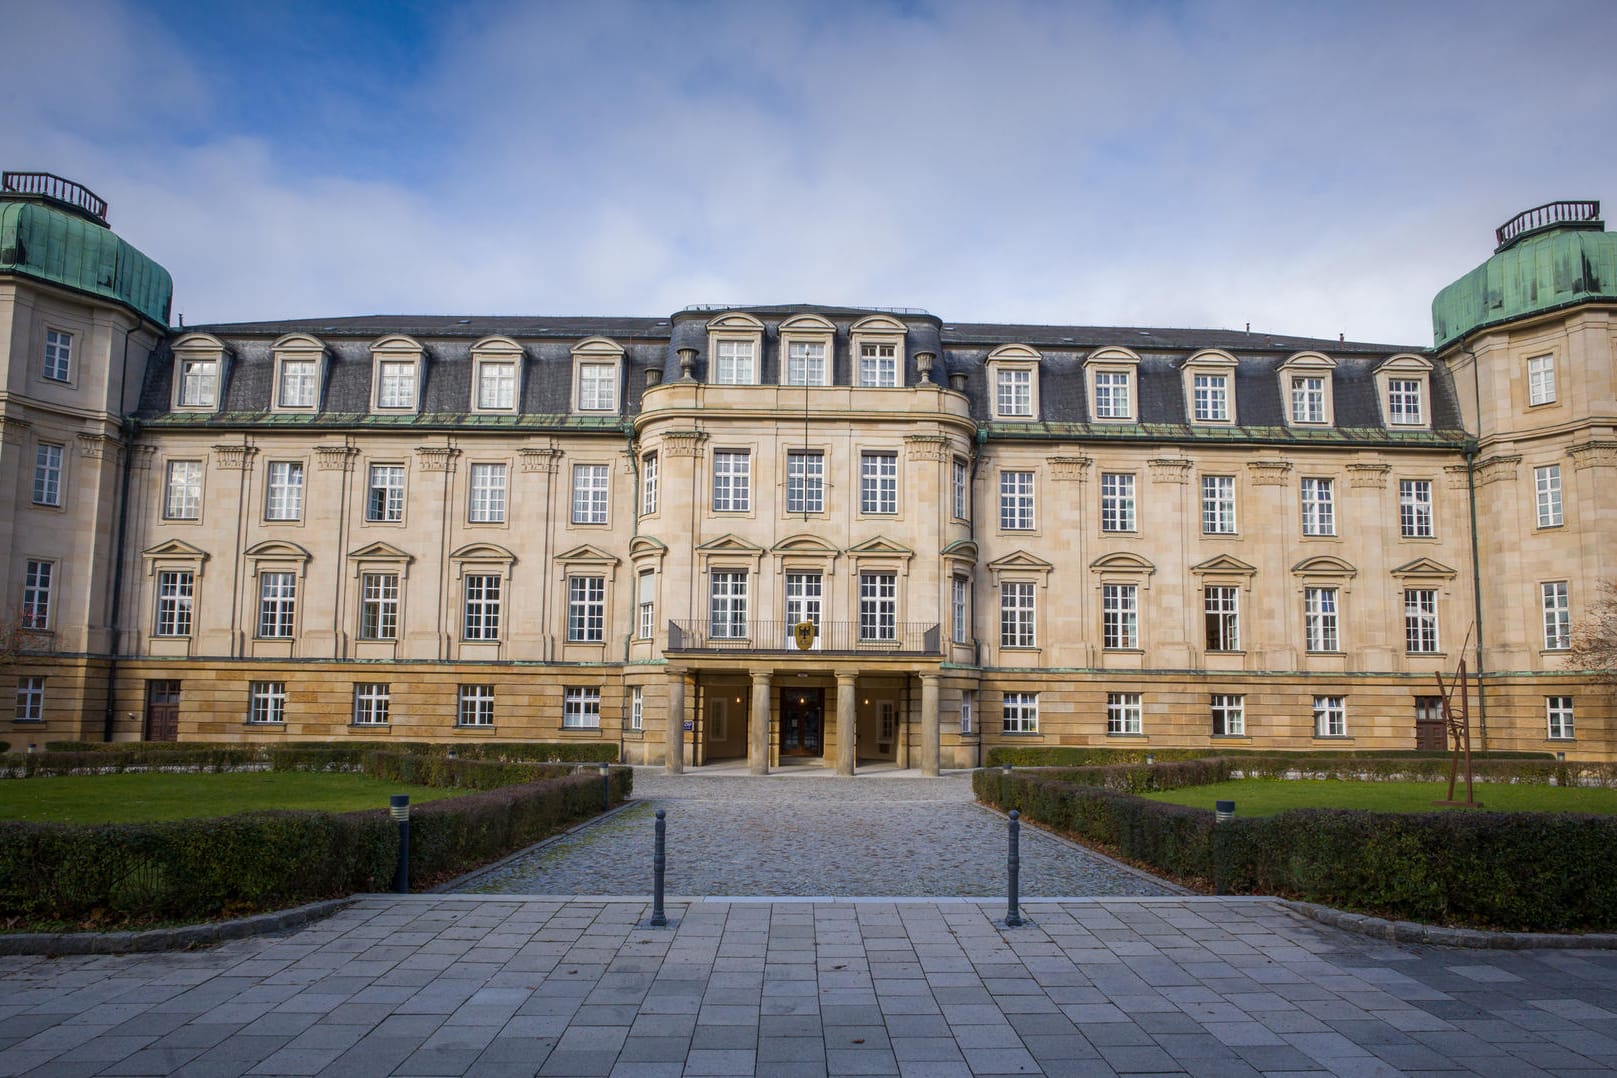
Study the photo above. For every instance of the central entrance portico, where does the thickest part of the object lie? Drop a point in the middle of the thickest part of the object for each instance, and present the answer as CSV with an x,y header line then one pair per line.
x,y
802,723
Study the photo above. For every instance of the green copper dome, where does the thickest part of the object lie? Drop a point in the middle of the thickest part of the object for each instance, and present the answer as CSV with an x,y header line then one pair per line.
x,y
41,240
1565,260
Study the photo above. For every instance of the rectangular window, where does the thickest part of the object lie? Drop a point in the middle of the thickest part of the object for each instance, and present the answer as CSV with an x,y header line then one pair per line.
x,y
488,494
1319,618
728,605
878,606
1221,605
1330,716
199,383
1307,400
1112,395
1123,713
805,481
586,609
1020,713
805,594
58,355
959,504
1212,398
398,385
475,706
372,703
968,702
297,387
637,708
482,621
1116,502
266,702
1016,615
496,385
1014,393
1420,620
285,497
581,708
1557,616
1558,711
647,605
1547,488
385,498
734,364
174,596
597,387
1541,380
182,493
277,605
48,475
732,481
38,578
1218,504
1415,508
30,700
1229,715
805,363
1319,507
878,482
1120,613
589,493
878,365
1404,401
648,484
379,606
1016,501
959,590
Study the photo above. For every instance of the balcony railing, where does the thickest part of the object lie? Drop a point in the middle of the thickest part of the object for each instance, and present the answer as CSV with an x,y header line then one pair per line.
x,y
53,188
833,638
1549,215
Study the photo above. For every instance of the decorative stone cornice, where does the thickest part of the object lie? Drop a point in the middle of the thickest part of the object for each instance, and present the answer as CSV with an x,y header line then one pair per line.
x,y
141,457
334,458
437,458
12,428
1497,469
545,460
926,447
1594,454
1269,473
99,446
1459,476
1069,469
1170,469
235,458
684,443
1368,476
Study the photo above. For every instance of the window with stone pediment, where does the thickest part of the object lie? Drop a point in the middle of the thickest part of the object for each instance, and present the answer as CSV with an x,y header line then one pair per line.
x,y
597,374
199,366
1404,385
735,348
1209,386
1111,374
396,374
299,371
1307,390
806,343
877,343
1013,371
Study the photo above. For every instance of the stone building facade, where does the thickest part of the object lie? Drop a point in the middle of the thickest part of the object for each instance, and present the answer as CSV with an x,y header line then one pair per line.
x,y
798,534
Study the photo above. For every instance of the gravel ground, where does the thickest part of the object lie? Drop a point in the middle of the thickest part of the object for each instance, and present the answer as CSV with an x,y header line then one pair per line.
x,y
796,834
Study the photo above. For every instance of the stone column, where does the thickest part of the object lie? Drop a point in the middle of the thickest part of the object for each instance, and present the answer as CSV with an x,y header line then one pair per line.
x,y
930,749
758,725
846,686
674,736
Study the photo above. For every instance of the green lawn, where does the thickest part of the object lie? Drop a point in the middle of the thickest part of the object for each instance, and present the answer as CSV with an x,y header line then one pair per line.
x,y
1265,797
122,798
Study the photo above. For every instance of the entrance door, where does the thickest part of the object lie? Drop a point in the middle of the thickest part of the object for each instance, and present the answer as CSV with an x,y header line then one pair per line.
x,y
162,710
1431,732
803,594
802,722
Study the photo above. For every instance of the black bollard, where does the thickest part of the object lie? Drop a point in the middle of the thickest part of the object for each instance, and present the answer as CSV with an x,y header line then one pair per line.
x,y
1013,864
606,787
659,861
399,807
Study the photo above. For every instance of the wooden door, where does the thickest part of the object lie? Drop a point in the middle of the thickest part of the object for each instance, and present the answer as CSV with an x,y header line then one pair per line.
x,y
162,710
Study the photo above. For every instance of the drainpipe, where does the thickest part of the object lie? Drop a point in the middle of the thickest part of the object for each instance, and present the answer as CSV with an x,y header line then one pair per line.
x,y
633,588
128,427
1476,564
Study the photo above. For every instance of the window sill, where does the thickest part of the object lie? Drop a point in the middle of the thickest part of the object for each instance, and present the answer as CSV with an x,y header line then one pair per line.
x,y
1426,654
1122,651
266,722
1226,651
1325,653
1020,733
28,722
474,726
1231,737
1557,740
369,725
1135,737
1333,737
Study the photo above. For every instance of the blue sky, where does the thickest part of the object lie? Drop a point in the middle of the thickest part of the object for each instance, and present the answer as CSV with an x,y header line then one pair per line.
x,y
1308,168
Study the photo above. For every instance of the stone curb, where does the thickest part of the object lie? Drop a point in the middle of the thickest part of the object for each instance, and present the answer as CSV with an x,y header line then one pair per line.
x,y
184,937
1440,936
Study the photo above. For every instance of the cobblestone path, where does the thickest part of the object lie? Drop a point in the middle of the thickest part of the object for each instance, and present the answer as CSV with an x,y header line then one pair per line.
x,y
808,835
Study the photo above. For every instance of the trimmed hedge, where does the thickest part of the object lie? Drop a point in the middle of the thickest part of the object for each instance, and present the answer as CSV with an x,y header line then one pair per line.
x,y
189,870
1529,871
134,756
539,751
1136,776
1079,756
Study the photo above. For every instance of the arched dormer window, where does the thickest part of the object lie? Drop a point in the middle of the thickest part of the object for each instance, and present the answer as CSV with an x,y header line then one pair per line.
x,y
1113,385
877,343
597,374
199,373
1305,386
735,346
496,375
300,373
1013,371
1404,388
397,373
805,349
1209,385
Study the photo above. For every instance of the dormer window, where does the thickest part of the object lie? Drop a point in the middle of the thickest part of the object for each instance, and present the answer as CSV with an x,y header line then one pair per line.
x,y
878,352
396,374
1404,383
1404,401
1306,380
199,362
297,383
735,341
597,373
735,364
878,365
1209,383
398,385
805,343
496,374
298,363
1111,374
1013,370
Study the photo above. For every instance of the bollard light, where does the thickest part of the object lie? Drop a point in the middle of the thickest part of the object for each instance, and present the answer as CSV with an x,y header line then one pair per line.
x,y
1006,767
606,786
32,746
451,752
1223,811
398,806
1150,758
1559,756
